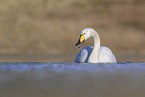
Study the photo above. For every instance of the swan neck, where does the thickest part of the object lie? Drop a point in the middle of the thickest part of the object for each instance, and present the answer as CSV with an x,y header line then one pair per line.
x,y
94,57
96,42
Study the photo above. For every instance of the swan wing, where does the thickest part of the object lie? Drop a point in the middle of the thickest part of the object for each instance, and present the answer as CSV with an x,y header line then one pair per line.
x,y
106,55
84,54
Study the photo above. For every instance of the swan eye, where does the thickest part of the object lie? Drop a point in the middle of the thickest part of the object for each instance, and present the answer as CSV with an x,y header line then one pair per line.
x,y
82,34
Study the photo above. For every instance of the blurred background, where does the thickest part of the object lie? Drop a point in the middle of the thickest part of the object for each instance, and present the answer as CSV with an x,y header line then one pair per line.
x,y
47,30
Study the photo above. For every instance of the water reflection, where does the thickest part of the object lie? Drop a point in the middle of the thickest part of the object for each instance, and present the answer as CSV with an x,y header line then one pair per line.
x,y
36,79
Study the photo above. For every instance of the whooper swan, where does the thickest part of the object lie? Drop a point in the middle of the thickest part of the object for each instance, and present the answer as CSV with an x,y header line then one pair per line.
x,y
96,54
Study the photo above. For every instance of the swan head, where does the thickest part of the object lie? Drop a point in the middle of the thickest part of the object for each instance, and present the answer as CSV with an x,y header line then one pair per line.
x,y
85,34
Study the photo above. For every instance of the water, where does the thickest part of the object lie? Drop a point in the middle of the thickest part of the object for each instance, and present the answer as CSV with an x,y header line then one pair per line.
x,y
40,79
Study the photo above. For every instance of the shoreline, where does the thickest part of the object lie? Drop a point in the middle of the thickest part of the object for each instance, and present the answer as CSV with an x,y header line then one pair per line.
x,y
65,57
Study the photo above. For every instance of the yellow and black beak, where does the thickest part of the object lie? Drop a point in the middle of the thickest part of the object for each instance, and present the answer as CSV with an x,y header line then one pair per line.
x,y
81,40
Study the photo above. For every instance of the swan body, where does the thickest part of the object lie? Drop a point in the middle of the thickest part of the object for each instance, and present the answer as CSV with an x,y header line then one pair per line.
x,y
96,54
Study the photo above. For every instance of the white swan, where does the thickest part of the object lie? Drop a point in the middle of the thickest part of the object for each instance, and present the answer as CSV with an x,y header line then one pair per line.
x,y
96,54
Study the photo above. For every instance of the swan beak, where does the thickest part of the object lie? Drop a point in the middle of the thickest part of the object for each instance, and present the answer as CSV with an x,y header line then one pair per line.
x,y
82,38
81,41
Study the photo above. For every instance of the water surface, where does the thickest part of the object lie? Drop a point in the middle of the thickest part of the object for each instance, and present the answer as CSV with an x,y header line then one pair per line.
x,y
41,79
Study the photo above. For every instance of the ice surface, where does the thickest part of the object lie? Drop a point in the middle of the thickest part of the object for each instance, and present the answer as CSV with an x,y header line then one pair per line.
x,y
42,79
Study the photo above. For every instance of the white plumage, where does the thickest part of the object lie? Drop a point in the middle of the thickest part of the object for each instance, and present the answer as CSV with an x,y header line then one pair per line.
x,y
96,54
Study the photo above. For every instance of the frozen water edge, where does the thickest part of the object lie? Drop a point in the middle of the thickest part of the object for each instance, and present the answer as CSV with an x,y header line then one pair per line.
x,y
64,66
